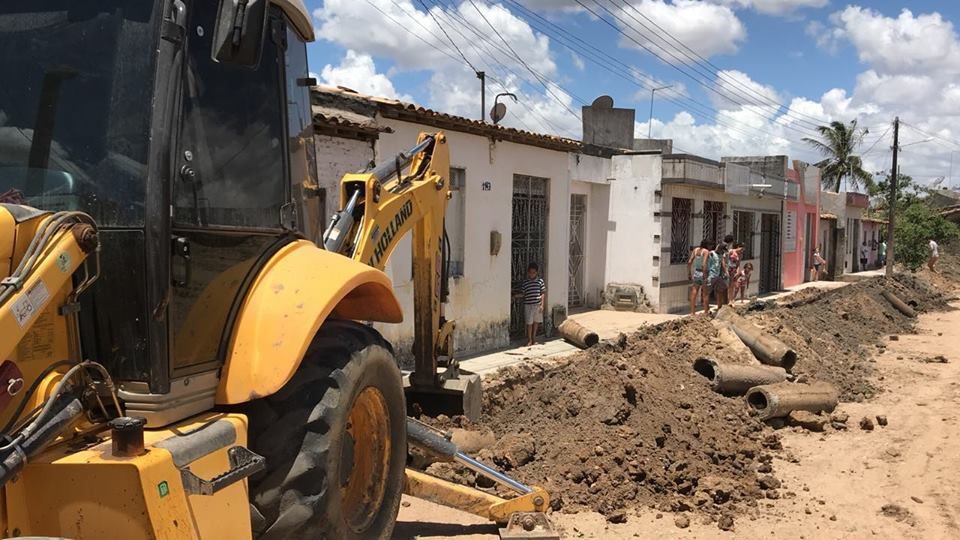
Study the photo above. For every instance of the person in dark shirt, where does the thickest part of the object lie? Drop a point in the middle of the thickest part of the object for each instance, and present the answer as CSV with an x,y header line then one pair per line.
x,y
534,292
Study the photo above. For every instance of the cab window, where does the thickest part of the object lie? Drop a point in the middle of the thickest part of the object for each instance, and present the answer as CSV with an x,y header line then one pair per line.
x,y
231,170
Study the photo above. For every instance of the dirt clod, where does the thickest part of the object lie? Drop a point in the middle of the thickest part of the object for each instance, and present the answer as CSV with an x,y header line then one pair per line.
x,y
866,424
807,420
916,499
725,523
620,516
899,513
881,420
681,521
768,482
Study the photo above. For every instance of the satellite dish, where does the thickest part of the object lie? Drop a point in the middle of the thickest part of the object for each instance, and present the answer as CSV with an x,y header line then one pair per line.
x,y
603,102
498,112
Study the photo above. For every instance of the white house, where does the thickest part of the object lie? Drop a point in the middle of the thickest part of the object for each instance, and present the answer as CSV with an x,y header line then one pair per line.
x,y
519,197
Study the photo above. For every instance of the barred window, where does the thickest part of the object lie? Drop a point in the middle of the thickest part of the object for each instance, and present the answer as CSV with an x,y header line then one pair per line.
x,y
743,232
680,216
713,221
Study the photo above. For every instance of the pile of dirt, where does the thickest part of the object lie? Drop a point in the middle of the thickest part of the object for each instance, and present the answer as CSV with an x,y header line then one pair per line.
x,y
836,333
629,423
621,427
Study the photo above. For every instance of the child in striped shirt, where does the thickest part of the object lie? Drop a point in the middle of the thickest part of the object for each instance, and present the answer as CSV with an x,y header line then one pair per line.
x,y
534,291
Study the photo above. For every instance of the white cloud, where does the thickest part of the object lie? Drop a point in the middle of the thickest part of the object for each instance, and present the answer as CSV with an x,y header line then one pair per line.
x,y
358,72
775,7
577,61
912,63
707,28
906,44
453,86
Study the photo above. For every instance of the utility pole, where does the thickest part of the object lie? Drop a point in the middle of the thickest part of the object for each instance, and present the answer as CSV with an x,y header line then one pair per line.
x,y
482,75
650,121
892,204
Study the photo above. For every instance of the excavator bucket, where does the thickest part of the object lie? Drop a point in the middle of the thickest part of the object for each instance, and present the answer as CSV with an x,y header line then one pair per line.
x,y
453,396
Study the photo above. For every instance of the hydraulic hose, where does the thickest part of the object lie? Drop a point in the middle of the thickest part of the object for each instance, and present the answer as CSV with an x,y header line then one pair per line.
x,y
14,462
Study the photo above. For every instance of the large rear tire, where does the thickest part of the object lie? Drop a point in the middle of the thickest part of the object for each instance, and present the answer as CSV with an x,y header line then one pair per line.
x,y
334,438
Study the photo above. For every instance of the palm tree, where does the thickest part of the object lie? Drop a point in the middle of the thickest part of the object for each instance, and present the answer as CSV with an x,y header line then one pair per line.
x,y
839,143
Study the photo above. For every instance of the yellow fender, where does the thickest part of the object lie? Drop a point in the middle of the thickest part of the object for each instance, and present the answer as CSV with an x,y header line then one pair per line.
x,y
299,288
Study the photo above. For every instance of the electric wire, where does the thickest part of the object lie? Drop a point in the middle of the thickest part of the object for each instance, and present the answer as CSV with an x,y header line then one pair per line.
x,y
643,46
442,29
522,62
931,135
618,68
715,70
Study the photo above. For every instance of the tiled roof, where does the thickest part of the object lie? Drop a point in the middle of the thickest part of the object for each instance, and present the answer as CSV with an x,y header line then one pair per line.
x,y
828,216
392,108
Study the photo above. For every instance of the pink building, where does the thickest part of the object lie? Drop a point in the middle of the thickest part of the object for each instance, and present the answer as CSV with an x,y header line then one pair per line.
x,y
801,218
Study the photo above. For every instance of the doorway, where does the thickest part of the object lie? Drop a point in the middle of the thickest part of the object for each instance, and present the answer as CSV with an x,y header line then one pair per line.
x,y
769,253
528,239
578,214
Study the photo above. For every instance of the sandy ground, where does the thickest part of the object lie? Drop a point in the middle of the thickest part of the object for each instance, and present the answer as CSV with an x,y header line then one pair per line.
x,y
835,485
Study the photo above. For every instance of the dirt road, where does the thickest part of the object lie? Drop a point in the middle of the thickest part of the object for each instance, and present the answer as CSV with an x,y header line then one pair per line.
x,y
897,481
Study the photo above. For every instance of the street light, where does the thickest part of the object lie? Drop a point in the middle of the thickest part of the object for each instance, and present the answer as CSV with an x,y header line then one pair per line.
x,y
928,139
650,122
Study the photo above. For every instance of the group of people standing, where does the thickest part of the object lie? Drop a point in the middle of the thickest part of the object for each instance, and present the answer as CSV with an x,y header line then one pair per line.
x,y
716,270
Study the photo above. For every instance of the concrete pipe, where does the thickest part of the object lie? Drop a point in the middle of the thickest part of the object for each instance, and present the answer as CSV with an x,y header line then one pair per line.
x,y
768,349
730,340
901,306
778,400
575,333
732,379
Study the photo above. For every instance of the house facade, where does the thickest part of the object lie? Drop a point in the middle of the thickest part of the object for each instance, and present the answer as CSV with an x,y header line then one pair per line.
x,y
705,199
517,197
845,230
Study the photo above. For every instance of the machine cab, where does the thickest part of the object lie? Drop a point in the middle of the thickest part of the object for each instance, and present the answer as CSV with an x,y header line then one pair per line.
x,y
184,128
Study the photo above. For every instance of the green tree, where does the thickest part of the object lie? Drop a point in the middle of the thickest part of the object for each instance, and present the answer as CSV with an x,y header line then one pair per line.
x,y
908,192
838,144
916,224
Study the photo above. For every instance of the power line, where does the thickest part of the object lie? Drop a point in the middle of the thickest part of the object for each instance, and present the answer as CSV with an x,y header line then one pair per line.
x,y
401,25
486,43
944,139
707,86
880,138
719,72
448,55
442,29
618,67
522,62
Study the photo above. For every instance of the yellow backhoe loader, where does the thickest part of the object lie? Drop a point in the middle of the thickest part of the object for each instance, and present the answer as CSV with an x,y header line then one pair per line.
x,y
179,358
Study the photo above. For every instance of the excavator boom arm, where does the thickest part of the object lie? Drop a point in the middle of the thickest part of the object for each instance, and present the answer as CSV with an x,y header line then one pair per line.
x,y
378,208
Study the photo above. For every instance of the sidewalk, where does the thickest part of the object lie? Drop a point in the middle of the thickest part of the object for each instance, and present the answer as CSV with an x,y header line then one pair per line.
x,y
607,324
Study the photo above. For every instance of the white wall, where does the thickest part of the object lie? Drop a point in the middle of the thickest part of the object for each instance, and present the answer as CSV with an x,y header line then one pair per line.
x,y
632,227
590,176
480,300
337,156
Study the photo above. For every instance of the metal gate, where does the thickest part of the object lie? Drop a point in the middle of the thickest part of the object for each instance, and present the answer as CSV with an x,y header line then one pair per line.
x,y
528,239
769,253
578,211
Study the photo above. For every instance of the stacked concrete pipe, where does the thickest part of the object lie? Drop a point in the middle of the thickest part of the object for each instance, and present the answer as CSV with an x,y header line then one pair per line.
x,y
733,379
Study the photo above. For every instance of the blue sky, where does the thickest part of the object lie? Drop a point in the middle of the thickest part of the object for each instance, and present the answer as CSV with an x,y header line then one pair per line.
x,y
771,69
